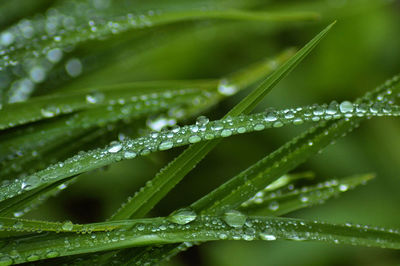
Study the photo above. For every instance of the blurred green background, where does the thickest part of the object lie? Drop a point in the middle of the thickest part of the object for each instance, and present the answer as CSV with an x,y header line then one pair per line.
x,y
361,52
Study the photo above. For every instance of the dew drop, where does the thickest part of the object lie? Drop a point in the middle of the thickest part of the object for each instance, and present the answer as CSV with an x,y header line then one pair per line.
x,y
202,121
50,111
267,236
332,108
165,145
94,97
270,117
54,55
129,155
241,130
222,236
235,218
259,127
52,254
273,206
343,187
182,216
115,146
346,107
226,133
68,226
194,139
298,121
217,126
226,89
33,257
73,67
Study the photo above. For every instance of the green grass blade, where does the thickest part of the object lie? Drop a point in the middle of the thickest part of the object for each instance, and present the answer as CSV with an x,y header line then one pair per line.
x,y
176,170
203,228
102,27
144,200
164,93
281,202
239,189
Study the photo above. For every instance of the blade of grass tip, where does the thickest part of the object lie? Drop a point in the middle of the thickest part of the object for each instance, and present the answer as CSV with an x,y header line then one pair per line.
x,y
278,163
144,200
241,78
281,202
155,231
116,151
177,169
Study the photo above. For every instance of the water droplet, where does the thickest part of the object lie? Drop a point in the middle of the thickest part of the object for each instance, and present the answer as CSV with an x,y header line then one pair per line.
x,y
343,187
298,121
202,121
54,55
73,67
194,139
115,146
94,97
259,127
273,206
346,107
50,111
68,226
270,117
165,145
129,154
318,110
217,126
52,254
31,182
182,216
37,74
267,236
235,218
33,257
332,108
226,133
226,89
222,236
241,130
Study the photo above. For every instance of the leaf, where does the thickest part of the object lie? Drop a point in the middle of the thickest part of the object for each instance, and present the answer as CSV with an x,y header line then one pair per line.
x,y
106,26
281,202
143,94
242,187
176,170
234,226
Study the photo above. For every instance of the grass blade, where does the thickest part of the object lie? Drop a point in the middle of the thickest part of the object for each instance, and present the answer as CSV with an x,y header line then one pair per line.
x,y
281,202
203,228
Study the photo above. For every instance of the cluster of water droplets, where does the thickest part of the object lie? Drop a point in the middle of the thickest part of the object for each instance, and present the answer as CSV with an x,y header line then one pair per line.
x,y
31,48
186,226
129,102
305,196
202,130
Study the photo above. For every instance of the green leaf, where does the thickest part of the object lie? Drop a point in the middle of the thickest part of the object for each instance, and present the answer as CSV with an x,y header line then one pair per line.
x,y
280,202
176,170
106,26
242,187
140,94
234,226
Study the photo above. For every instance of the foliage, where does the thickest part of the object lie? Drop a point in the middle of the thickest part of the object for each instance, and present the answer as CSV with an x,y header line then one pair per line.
x,y
91,85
